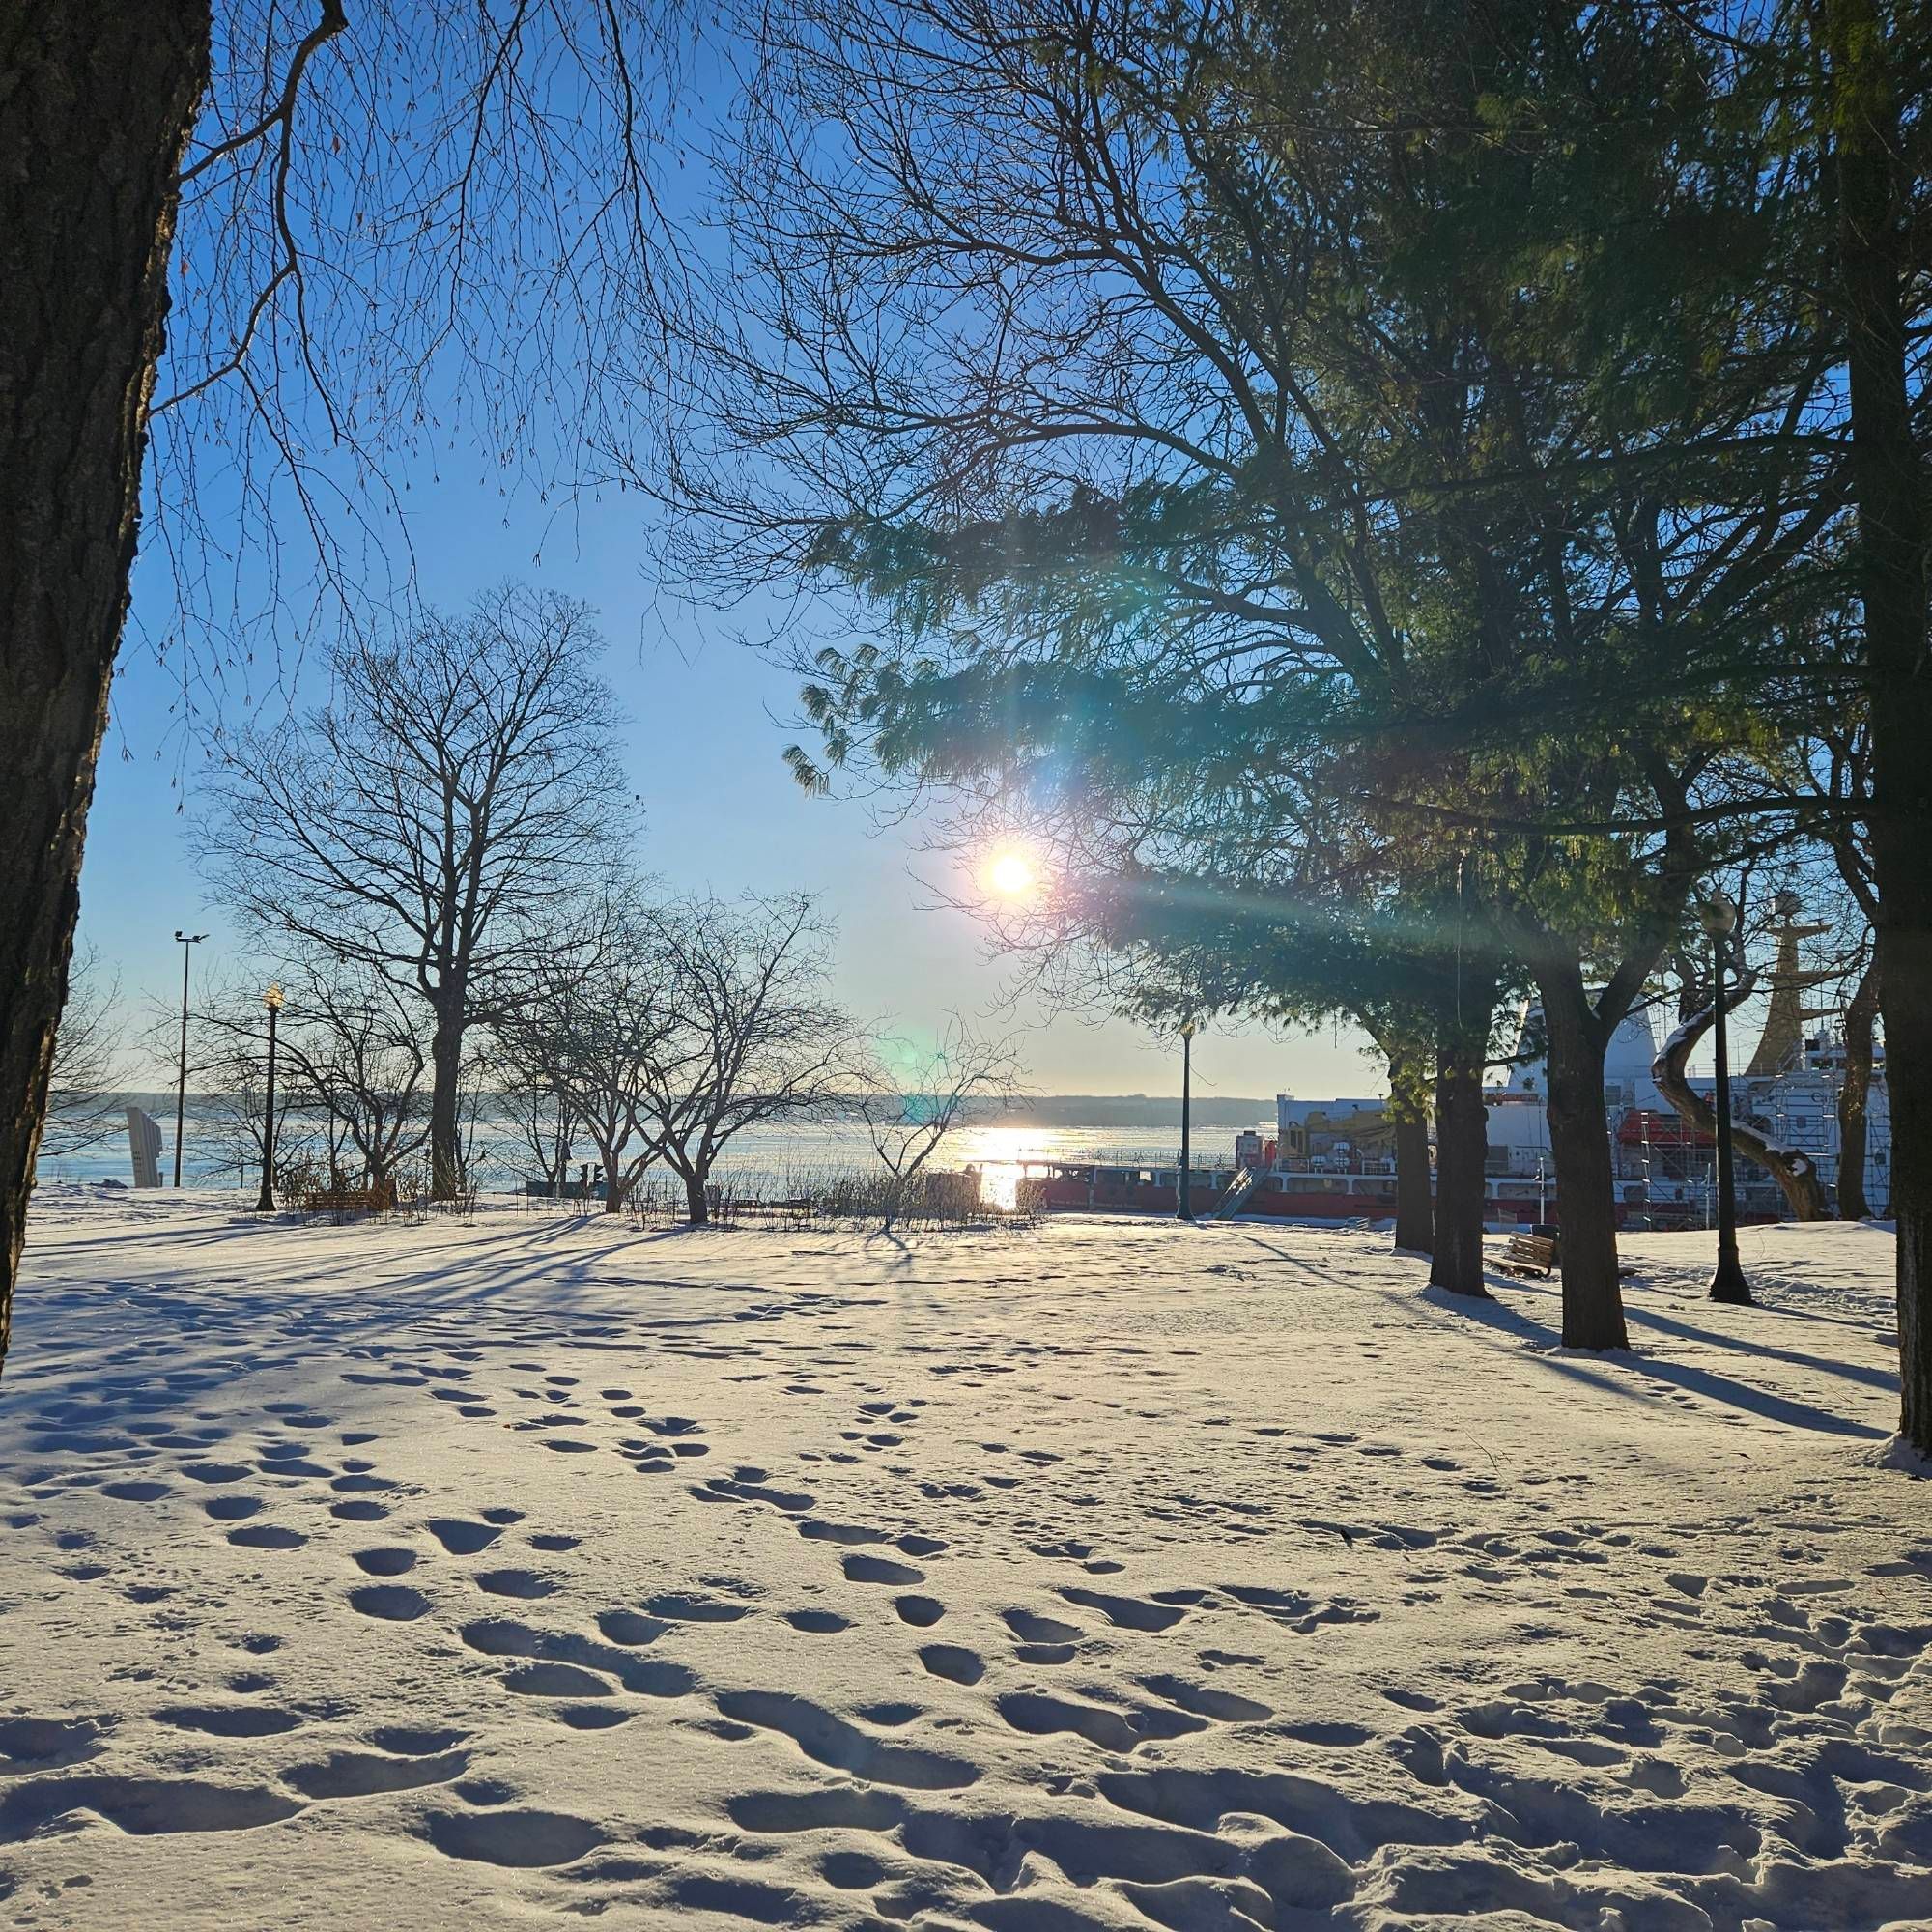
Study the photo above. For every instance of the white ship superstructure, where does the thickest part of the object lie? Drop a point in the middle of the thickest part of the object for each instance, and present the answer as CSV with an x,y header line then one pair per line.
x,y
1794,1105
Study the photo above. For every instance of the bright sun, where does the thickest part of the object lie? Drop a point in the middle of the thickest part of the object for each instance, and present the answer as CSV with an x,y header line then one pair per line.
x,y
1011,874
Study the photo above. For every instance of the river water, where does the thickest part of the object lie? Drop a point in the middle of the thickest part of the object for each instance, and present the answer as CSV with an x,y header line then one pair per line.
x,y
770,1159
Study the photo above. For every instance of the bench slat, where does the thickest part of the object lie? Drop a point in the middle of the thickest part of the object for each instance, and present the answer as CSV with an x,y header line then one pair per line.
x,y
1529,1251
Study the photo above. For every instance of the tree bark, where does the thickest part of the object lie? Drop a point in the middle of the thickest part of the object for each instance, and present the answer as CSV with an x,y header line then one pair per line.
x,y
697,1199
1853,1097
1795,1172
1877,256
1415,1211
1461,1143
1414,1208
97,103
1579,1143
445,1099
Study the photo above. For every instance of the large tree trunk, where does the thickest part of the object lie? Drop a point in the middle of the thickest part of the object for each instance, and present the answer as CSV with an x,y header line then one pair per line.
x,y
1461,1143
1854,1095
1414,1207
1579,1143
697,1199
1877,253
1414,1212
445,1099
1795,1172
97,103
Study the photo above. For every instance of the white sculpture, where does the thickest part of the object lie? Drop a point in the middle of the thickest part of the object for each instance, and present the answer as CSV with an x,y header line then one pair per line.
x,y
144,1143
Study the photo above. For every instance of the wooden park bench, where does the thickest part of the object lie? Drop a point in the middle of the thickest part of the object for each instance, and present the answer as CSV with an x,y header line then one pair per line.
x,y
1528,1254
342,1202
797,1212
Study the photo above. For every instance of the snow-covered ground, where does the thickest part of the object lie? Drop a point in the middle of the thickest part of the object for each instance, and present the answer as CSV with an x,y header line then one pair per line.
x,y
534,1569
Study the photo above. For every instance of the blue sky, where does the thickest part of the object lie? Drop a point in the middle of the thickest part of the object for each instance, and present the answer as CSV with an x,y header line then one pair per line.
x,y
707,720
708,717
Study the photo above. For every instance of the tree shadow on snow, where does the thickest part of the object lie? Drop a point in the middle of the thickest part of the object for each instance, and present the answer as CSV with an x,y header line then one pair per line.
x,y
1543,1345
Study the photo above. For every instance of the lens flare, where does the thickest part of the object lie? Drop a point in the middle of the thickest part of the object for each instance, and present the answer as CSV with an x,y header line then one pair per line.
x,y
1012,874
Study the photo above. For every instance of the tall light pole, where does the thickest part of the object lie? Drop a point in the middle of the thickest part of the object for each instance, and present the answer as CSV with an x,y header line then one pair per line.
x,y
1184,1202
1719,918
265,1202
189,941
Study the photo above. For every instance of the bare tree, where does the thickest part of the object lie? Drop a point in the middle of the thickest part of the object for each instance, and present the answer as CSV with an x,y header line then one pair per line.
x,y
458,787
355,1049
757,1038
83,1111
334,218
910,1097
528,1096
593,1026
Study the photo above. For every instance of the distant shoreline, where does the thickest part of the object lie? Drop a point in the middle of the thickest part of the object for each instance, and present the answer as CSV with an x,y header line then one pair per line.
x,y
1033,1110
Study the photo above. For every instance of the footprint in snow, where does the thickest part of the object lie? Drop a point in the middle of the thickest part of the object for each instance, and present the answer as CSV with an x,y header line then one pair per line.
x,y
265,1536
647,1677
47,1744
520,1840
136,1491
682,1608
845,1533
461,1538
828,1740
527,1584
952,1661
1125,1612
1204,1700
1038,1715
350,1774
229,1720
879,1570
817,1623
393,1603
1032,1629
388,1561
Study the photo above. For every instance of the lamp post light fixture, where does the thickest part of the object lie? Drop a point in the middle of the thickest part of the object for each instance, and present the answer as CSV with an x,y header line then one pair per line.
x,y
1719,918
1183,1194
187,942
265,1202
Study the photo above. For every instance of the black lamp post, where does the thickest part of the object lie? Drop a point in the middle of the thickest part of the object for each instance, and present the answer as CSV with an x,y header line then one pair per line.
x,y
1183,1194
266,1203
189,941
1719,918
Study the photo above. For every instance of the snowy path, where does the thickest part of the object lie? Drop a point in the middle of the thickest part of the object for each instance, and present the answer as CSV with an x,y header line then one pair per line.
x,y
1121,1574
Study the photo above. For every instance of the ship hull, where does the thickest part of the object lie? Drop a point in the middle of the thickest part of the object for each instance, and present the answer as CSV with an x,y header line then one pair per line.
x,y
1339,1199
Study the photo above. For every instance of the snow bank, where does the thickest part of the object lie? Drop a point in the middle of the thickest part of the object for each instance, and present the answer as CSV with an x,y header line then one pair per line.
x,y
1126,1574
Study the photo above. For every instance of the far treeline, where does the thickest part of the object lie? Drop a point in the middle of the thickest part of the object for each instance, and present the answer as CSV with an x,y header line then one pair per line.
x,y
1400,499
438,865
